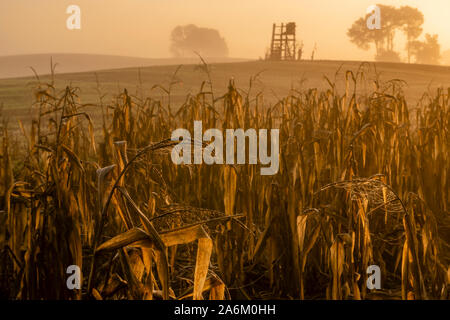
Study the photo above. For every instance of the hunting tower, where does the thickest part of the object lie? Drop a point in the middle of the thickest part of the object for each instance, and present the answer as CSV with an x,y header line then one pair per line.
x,y
282,46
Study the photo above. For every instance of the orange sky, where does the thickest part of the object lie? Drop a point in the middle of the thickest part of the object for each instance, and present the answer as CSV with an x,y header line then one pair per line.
x,y
142,27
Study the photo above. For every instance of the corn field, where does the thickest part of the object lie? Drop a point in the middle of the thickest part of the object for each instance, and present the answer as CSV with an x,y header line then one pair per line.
x,y
363,180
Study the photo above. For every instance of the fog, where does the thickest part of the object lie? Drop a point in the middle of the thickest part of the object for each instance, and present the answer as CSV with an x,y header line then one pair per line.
x,y
142,28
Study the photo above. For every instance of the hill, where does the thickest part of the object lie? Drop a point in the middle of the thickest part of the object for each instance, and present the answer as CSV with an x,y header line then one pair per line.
x,y
274,79
21,65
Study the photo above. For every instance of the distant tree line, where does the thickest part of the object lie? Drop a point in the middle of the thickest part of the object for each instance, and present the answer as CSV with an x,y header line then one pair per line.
x,y
188,40
405,19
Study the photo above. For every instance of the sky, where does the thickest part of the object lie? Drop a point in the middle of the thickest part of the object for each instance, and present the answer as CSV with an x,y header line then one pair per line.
x,y
142,28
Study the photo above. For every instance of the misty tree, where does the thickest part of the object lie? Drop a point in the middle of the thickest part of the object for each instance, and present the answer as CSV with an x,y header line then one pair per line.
x,y
428,51
412,20
188,39
406,19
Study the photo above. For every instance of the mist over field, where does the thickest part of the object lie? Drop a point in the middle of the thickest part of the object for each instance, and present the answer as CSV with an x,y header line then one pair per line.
x,y
142,28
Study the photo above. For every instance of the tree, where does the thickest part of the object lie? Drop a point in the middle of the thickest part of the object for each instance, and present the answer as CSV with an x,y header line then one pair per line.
x,y
408,19
428,51
391,21
188,39
382,39
388,55
412,20
362,37
445,58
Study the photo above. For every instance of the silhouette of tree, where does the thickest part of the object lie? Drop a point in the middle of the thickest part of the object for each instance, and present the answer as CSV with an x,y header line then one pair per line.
x,y
362,37
388,55
188,39
428,51
407,19
382,39
390,21
412,20
445,58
